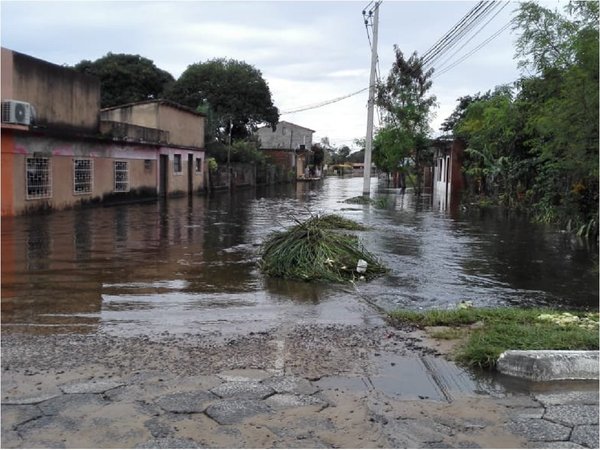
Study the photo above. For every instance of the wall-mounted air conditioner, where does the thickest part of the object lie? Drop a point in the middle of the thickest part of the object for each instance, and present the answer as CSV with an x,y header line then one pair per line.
x,y
20,113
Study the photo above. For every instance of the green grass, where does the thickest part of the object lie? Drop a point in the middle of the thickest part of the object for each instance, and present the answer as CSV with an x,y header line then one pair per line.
x,y
314,251
379,202
506,329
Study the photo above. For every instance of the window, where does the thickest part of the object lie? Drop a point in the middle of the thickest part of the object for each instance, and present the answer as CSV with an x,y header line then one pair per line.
x,y
39,178
198,164
177,164
121,176
284,131
148,165
83,172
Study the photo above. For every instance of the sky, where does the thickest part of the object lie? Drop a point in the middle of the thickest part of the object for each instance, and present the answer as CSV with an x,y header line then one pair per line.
x,y
309,52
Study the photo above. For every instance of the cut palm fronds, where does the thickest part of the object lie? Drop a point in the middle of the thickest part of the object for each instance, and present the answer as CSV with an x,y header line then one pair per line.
x,y
313,251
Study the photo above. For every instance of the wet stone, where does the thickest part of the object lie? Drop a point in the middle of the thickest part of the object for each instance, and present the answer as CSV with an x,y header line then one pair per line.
x,y
244,375
90,387
169,443
11,439
249,390
569,398
283,401
573,414
526,413
228,412
186,402
291,385
540,430
70,402
586,435
14,415
560,444
157,428
29,400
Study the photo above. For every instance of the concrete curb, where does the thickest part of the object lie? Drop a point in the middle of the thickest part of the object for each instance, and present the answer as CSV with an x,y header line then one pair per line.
x,y
550,365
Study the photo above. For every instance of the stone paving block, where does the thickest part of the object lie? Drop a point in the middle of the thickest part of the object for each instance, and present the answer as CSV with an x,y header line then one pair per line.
x,y
14,415
186,402
11,439
228,412
249,390
69,402
572,414
586,435
526,413
90,387
169,443
244,375
539,430
518,401
291,385
283,401
556,444
30,400
569,398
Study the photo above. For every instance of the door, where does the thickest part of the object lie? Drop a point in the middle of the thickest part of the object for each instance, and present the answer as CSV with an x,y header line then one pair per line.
x,y
164,174
190,173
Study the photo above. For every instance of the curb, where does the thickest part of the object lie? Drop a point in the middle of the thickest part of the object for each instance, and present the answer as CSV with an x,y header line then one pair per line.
x,y
550,365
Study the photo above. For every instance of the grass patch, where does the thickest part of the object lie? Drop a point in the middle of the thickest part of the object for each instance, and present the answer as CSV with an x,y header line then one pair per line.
x,y
509,329
380,202
314,251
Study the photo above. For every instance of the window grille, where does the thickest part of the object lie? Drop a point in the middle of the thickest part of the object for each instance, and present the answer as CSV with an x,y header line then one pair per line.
x,y
83,173
39,178
177,164
121,176
198,164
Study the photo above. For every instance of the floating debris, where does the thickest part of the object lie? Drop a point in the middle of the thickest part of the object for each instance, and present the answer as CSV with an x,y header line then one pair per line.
x,y
315,250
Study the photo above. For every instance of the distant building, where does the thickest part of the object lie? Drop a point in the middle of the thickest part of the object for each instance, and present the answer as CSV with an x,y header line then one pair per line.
x,y
448,180
288,145
59,151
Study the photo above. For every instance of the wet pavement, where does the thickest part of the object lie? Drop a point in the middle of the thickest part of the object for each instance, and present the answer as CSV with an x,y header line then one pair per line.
x,y
149,326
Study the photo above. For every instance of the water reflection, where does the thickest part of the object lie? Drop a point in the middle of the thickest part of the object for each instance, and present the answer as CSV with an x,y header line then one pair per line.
x,y
190,263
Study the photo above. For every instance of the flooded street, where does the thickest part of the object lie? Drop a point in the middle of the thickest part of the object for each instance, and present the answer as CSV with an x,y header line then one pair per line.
x,y
189,265
149,326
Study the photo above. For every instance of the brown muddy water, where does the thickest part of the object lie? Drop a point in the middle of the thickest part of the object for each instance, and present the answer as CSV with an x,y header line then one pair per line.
x,y
186,265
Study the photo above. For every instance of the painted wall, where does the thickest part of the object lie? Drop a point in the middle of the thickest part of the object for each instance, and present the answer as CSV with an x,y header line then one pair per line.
x,y
62,97
143,170
286,136
184,127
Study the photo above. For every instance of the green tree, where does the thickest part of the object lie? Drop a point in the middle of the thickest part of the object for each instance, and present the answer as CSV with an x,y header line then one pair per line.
x,y
407,103
236,92
126,78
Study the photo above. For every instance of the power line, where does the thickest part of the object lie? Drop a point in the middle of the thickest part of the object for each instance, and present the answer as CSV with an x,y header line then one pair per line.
x,y
325,103
440,66
479,47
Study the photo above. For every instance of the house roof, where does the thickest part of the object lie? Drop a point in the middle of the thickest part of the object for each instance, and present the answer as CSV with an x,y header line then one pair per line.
x,y
289,123
159,101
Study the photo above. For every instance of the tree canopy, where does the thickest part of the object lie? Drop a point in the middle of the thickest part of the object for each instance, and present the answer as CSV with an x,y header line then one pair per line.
x,y
235,91
126,78
535,145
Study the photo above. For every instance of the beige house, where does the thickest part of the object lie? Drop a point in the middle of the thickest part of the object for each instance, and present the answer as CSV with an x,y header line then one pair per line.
x,y
59,150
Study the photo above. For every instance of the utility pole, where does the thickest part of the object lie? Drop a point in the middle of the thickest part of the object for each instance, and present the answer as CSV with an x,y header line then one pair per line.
x,y
371,104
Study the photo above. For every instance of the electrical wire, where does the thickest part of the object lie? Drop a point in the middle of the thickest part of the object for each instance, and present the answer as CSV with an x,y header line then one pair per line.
x,y
325,103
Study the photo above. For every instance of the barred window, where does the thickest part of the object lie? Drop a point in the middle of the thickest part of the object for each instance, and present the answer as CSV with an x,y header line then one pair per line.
x,y
83,173
121,176
177,164
148,165
39,178
198,164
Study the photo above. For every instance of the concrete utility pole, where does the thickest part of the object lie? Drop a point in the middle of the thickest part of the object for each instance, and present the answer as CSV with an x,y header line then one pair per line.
x,y
371,105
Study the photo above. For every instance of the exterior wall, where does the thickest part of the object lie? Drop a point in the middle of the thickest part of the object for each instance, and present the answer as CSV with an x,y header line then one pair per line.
x,y
286,136
178,182
143,167
448,181
185,128
62,97
281,158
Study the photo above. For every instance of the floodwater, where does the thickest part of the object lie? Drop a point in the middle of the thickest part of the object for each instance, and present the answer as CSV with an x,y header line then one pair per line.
x,y
189,265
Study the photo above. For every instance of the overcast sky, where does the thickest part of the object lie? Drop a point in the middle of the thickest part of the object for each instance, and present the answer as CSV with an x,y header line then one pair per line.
x,y
308,51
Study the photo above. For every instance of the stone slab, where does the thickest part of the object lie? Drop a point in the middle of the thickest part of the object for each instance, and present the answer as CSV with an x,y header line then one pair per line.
x,y
244,375
568,398
586,435
90,387
291,385
283,401
186,402
550,365
250,390
559,444
32,400
572,415
229,412
540,430
169,443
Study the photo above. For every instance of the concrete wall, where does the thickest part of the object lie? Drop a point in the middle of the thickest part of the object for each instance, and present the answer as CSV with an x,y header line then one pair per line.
x,y
142,166
63,98
286,136
184,127
448,179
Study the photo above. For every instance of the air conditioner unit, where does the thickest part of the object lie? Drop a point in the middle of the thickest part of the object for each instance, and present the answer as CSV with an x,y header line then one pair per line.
x,y
17,112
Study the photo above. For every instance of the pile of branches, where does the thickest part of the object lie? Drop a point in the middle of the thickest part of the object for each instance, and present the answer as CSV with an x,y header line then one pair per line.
x,y
316,250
